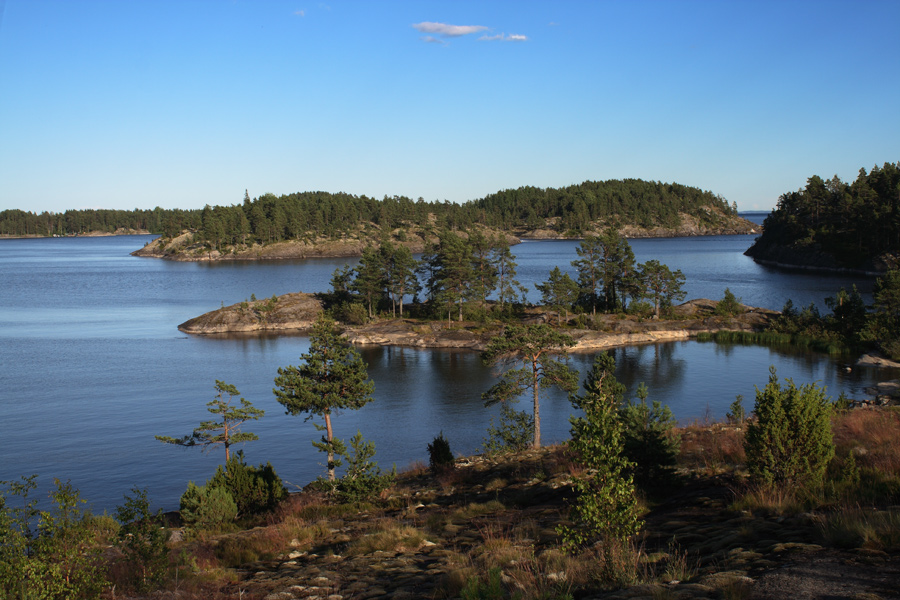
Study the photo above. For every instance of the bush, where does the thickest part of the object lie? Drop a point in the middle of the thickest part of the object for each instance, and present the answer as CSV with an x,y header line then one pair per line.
x,y
352,313
729,306
513,433
364,478
142,540
650,441
641,309
47,554
606,504
253,489
790,443
736,413
440,458
207,508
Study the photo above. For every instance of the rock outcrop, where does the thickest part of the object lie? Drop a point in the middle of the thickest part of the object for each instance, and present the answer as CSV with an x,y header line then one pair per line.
x,y
288,312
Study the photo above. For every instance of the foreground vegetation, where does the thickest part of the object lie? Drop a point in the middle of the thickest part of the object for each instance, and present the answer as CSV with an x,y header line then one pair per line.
x,y
707,512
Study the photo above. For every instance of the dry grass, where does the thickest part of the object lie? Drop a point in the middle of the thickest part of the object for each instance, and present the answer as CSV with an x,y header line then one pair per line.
x,y
872,436
769,501
388,536
856,527
712,449
476,509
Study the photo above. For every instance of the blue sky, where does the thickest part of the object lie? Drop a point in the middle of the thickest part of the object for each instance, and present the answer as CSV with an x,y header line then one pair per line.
x,y
136,104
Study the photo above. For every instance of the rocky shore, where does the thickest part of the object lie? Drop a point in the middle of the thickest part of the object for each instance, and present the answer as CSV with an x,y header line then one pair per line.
x,y
297,312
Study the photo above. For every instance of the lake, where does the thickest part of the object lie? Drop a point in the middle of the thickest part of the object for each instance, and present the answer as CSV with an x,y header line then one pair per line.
x,y
92,365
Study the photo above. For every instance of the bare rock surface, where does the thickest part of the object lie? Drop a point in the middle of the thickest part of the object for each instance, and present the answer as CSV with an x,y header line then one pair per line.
x,y
295,311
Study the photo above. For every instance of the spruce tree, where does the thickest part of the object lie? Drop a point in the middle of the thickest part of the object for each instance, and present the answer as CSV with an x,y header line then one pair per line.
x,y
333,377
605,504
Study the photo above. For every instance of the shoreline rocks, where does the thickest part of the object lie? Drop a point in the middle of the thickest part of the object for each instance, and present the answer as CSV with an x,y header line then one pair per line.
x,y
296,312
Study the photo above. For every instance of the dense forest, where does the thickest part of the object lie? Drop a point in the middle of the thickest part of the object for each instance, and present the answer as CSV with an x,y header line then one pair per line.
x,y
270,218
833,224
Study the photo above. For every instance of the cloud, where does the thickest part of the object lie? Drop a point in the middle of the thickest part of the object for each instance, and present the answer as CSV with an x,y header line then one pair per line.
x,y
430,39
446,30
299,13
502,37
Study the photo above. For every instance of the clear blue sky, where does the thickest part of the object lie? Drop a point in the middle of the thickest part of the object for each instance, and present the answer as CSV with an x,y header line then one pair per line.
x,y
125,104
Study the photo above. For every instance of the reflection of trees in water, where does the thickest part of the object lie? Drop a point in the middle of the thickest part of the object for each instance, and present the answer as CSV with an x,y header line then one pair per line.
x,y
656,365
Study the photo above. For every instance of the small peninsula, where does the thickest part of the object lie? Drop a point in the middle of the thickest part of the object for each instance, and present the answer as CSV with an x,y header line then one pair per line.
x,y
836,226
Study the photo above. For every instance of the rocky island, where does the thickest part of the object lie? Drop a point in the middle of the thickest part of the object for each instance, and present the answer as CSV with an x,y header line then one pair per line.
x,y
297,311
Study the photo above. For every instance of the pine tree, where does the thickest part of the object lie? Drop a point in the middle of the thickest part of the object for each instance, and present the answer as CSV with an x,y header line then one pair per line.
x,y
226,431
590,254
509,290
399,274
453,275
558,293
661,285
333,377
650,442
533,348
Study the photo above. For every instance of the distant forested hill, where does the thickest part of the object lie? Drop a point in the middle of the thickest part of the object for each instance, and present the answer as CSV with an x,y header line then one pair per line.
x,y
832,224
308,215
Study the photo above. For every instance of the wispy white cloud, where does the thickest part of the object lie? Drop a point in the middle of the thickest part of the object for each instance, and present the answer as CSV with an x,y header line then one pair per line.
x,y
430,39
447,30
502,37
299,13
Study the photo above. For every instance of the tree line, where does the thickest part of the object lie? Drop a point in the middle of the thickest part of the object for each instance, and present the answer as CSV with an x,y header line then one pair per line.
x,y
474,276
852,223
303,215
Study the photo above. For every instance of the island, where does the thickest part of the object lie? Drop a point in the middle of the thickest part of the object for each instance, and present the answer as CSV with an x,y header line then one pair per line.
x,y
296,312
835,226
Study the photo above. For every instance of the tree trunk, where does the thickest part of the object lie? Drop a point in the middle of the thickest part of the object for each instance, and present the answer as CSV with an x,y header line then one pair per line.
x,y
537,413
329,436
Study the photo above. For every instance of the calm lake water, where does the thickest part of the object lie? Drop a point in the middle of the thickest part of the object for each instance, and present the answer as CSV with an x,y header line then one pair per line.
x,y
92,365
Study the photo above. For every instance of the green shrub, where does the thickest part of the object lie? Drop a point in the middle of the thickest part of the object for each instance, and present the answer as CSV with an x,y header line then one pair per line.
x,y
207,508
142,539
790,443
649,440
253,489
736,413
47,553
641,308
729,306
605,505
363,478
440,458
512,434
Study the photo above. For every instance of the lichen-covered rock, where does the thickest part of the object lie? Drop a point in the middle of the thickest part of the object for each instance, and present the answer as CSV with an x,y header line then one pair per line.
x,y
288,312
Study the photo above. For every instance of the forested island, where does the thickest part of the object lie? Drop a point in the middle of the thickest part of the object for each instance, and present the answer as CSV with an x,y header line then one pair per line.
x,y
322,223
836,225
